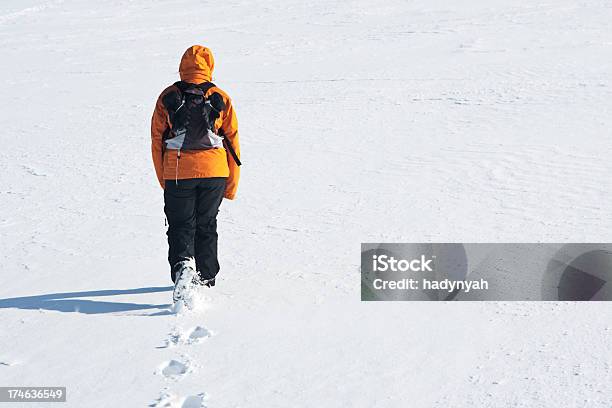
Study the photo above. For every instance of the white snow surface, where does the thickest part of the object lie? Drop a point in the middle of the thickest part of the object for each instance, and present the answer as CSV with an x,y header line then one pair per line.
x,y
360,121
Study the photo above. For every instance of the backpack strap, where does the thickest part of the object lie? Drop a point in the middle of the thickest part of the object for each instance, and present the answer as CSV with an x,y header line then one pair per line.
x,y
229,147
204,86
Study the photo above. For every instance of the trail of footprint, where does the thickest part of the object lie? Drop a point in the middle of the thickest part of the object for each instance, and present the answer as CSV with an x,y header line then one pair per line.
x,y
177,369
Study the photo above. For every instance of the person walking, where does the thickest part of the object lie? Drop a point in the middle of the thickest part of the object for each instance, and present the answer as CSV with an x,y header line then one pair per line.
x,y
196,155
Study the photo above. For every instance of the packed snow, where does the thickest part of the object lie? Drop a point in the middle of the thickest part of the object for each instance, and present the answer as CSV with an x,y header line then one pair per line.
x,y
360,121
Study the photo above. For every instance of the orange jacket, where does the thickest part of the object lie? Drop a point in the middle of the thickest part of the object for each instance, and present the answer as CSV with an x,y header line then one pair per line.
x,y
196,67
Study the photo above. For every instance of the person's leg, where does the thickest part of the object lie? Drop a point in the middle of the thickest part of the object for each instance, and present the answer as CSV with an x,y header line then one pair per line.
x,y
179,206
210,194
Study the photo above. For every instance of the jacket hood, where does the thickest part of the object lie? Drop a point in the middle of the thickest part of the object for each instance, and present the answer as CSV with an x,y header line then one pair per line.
x,y
197,65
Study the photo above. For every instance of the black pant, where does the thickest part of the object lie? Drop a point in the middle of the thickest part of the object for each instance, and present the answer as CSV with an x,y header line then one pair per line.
x,y
191,207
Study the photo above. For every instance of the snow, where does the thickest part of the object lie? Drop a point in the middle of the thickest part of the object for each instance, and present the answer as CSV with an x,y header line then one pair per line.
x,y
414,121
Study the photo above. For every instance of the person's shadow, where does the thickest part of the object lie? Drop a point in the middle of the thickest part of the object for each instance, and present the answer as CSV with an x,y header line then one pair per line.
x,y
73,302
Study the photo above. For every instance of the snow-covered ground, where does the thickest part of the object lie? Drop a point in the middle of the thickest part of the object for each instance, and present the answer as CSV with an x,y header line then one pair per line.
x,y
360,121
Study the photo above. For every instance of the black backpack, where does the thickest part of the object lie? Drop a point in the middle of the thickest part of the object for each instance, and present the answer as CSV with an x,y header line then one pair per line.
x,y
192,117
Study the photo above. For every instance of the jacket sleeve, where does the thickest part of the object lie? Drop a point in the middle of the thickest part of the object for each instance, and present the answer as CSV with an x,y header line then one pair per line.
x,y
230,130
159,124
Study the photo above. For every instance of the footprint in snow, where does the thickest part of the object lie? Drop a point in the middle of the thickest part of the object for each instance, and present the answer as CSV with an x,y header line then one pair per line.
x,y
168,400
174,369
194,401
193,336
165,400
198,334
173,340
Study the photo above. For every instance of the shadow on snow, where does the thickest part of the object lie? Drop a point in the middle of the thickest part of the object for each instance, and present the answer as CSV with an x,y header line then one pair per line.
x,y
70,302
